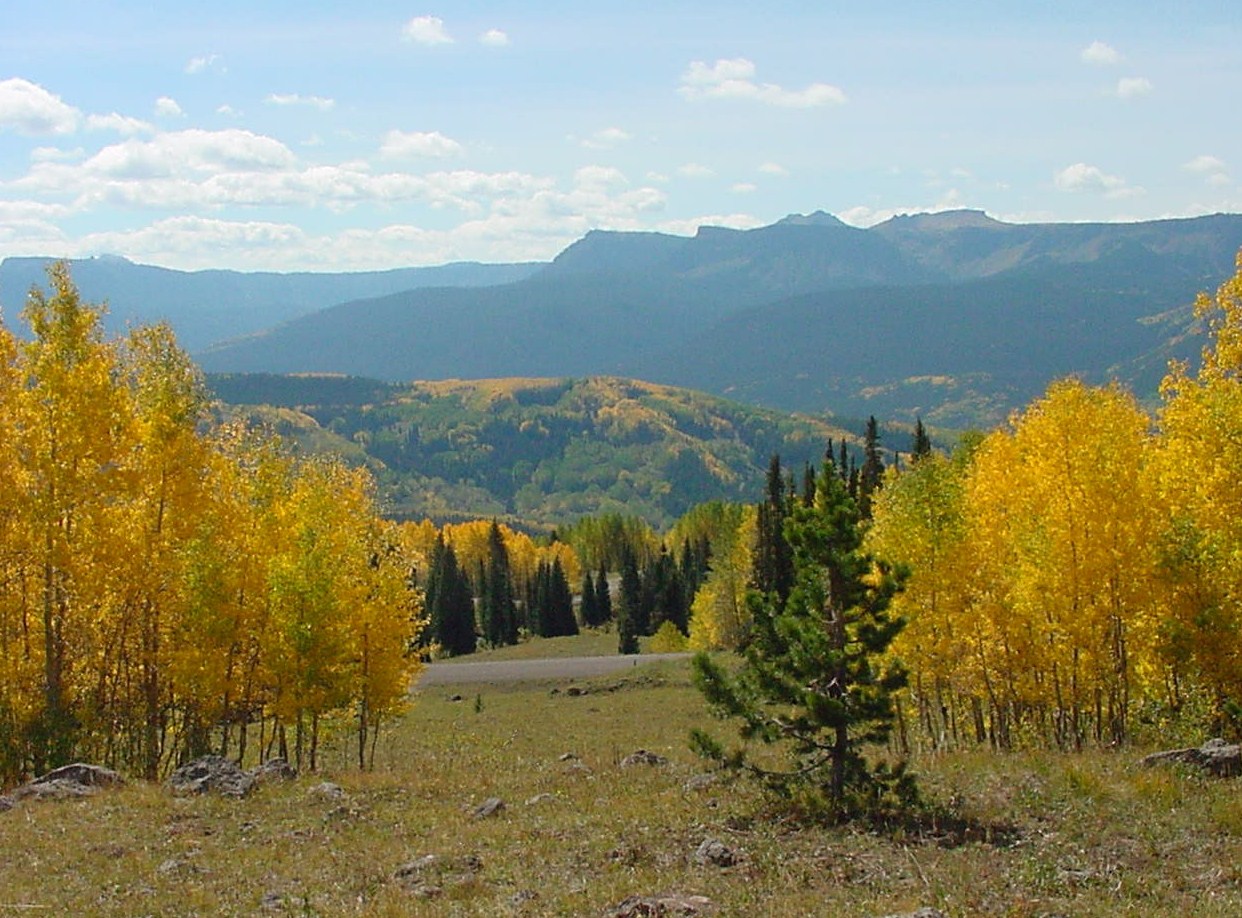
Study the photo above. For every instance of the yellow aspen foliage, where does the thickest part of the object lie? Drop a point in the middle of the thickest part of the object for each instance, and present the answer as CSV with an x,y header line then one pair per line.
x,y
720,616
1063,526
1197,474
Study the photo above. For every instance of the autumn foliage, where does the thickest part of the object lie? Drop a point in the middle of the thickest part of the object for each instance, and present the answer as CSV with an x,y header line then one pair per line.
x,y
167,589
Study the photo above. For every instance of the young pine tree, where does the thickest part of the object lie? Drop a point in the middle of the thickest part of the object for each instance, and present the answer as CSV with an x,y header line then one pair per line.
x,y
813,678
629,605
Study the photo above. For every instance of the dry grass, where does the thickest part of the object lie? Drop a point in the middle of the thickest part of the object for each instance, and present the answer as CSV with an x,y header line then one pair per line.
x,y
1052,835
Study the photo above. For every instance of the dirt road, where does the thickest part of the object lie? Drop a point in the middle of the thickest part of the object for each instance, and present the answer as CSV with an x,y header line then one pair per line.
x,y
534,670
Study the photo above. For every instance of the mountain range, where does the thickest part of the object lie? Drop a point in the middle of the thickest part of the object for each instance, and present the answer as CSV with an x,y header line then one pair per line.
x,y
955,317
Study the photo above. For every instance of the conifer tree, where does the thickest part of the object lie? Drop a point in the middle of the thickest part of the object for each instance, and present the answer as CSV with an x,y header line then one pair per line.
x,y
628,605
603,597
449,603
498,611
816,681
588,606
773,561
921,444
872,471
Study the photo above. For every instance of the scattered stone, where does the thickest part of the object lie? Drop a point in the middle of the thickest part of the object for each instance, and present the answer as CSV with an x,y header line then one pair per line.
x,y
212,773
716,853
540,798
273,770
567,757
6,803
272,902
327,790
699,782
489,807
579,768
663,905
456,698
1216,757
924,912
523,897
81,773
178,867
575,691
416,868
427,891
643,757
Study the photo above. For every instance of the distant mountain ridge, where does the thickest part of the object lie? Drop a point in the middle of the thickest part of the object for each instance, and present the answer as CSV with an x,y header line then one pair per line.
x,y
954,316
206,307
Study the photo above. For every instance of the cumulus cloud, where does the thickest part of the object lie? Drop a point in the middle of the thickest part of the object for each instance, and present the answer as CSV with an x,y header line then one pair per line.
x,y
494,38
55,155
207,62
402,145
744,187
293,98
427,30
121,124
694,170
227,110
1130,87
776,169
1100,54
28,108
167,107
735,79
1212,168
1084,178
605,139
599,178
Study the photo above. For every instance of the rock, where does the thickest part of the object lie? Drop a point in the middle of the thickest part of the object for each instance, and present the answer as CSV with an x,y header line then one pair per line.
x,y
540,798
81,773
1216,757
581,769
643,757
567,757
489,807
416,868
212,773
661,905
699,782
68,781
272,902
716,853
924,912
327,790
273,770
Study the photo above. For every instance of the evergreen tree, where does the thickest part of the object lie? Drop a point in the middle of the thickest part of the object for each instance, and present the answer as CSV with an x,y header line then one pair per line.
x,y
872,471
813,680
603,597
628,605
588,606
921,445
559,601
449,603
497,610
773,560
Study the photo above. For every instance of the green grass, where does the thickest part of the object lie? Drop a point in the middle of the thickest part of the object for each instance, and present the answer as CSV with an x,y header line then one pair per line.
x,y
1082,835
592,642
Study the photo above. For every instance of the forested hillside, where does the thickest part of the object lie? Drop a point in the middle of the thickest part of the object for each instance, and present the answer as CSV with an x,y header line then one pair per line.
x,y
538,451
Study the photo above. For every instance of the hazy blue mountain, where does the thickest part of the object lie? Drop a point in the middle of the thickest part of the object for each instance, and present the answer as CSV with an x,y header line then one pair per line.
x,y
208,306
954,316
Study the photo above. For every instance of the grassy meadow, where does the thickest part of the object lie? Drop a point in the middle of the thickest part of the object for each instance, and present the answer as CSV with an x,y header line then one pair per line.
x,y
1046,834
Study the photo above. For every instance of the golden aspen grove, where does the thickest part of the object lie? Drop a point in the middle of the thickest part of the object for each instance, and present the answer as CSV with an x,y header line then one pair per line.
x,y
167,588
1080,569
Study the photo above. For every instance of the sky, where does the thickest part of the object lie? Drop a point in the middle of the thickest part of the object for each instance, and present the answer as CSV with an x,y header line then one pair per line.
x,y
318,136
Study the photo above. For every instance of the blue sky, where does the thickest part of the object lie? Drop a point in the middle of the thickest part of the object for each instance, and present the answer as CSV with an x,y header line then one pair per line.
x,y
328,136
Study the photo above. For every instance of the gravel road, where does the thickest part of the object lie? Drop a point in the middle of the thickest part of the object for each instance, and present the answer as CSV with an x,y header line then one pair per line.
x,y
534,670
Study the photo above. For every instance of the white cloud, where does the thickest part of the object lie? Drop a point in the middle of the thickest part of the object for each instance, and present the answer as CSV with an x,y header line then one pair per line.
x,y
1100,54
28,108
402,145
774,169
734,79
1081,177
427,30
228,111
121,124
744,188
55,155
293,98
494,38
211,62
1204,164
1129,87
605,139
658,177
694,170
599,178
167,107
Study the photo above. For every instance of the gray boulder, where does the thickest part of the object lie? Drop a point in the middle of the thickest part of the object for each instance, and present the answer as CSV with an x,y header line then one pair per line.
x,y
662,905
643,757
212,773
1216,757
